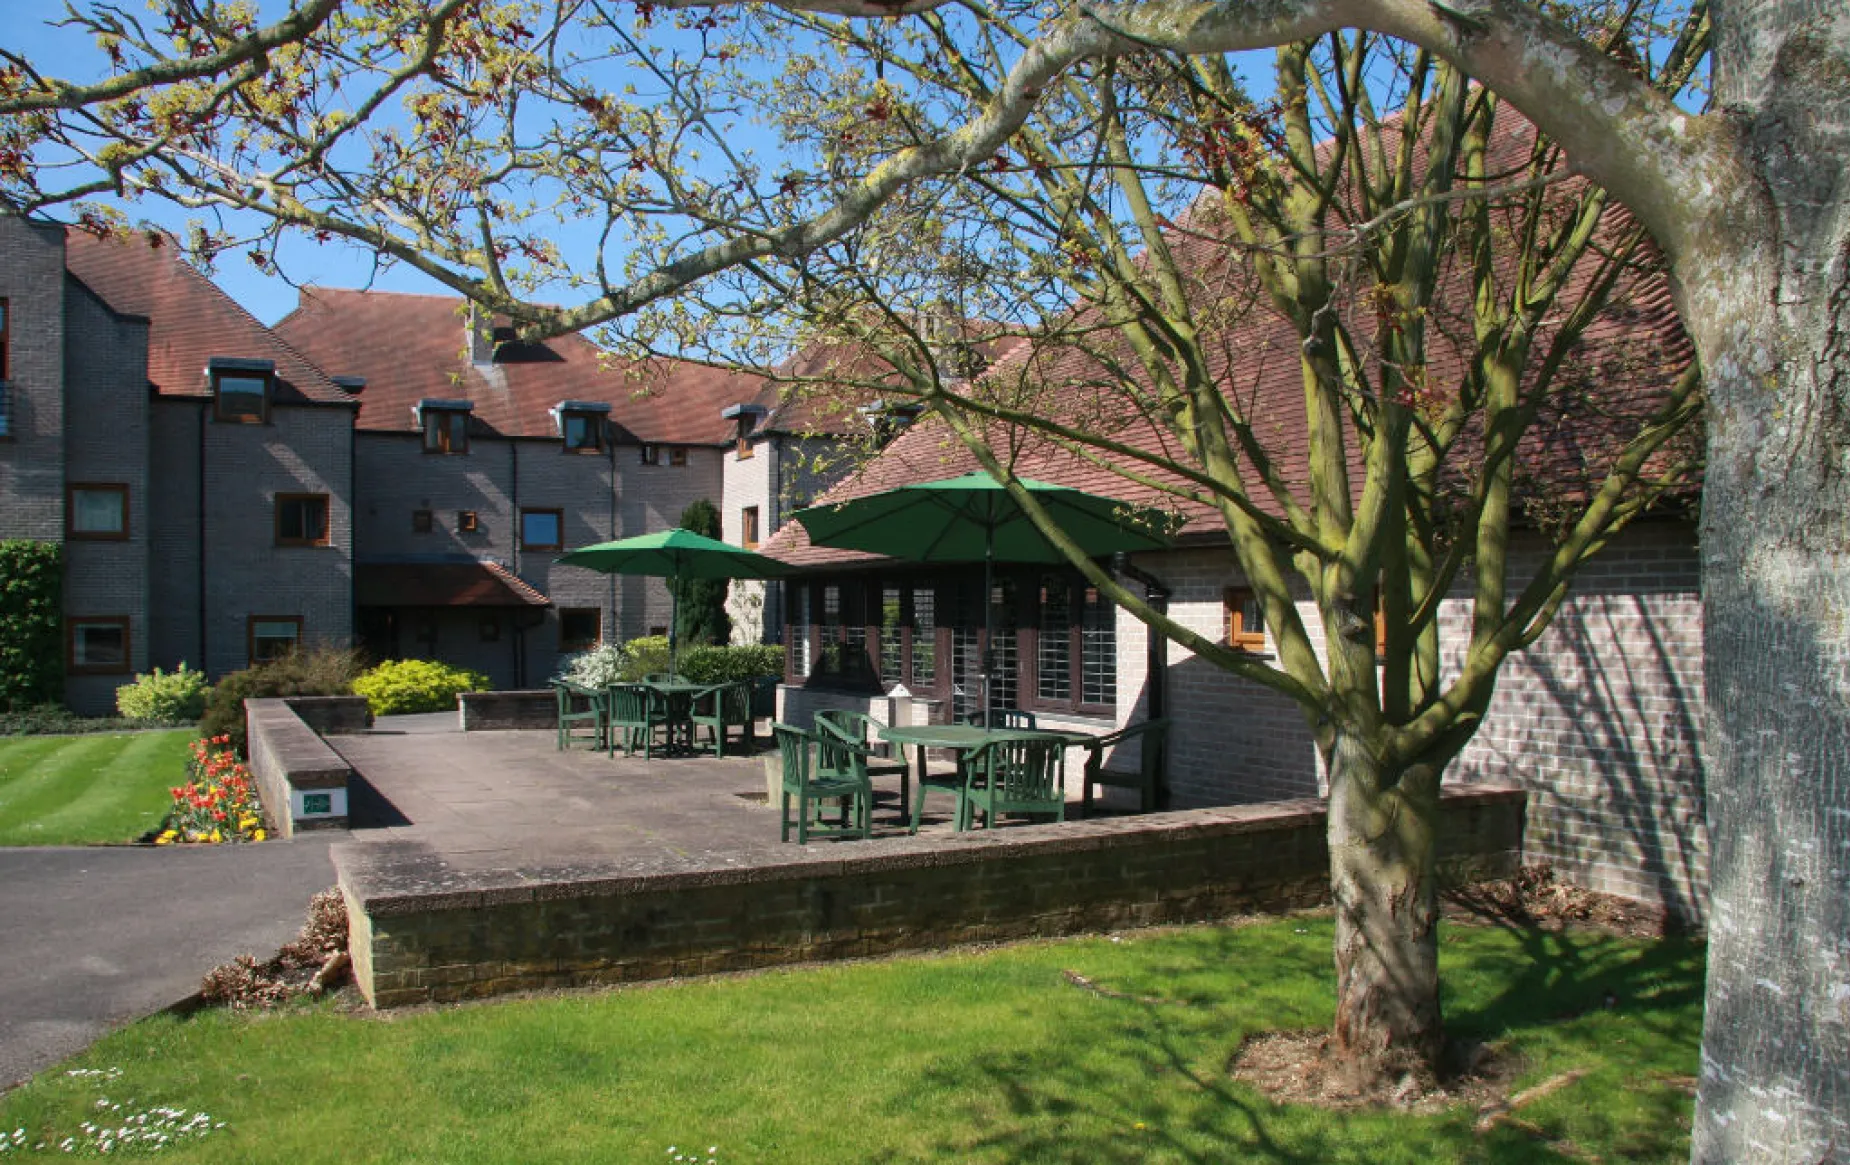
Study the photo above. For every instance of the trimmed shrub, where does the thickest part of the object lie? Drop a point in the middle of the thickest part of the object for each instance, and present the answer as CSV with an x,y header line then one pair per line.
x,y
322,671
701,610
177,697
645,655
400,686
725,665
31,624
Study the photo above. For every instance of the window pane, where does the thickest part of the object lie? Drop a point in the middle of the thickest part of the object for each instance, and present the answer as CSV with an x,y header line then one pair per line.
x,y
1054,660
799,629
1005,666
1098,650
579,628
273,638
581,431
892,635
98,511
302,519
99,645
924,639
241,396
539,528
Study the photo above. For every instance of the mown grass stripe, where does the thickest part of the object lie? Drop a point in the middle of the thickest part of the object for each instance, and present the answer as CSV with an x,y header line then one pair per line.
x,y
77,790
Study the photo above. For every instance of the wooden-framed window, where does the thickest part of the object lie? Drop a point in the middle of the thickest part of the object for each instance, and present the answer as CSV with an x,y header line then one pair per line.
x,y
651,455
582,431
268,637
422,521
97,645
677,455
1069,638
241,396
542,529
302,519
467,522
445,430
1245,619
96,511
580,628
748,527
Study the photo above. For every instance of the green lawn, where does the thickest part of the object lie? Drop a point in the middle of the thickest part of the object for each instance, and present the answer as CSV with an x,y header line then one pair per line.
x,y
80,790
990,1057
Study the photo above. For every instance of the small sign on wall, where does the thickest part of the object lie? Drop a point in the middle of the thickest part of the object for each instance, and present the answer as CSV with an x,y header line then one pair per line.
x,y
313,804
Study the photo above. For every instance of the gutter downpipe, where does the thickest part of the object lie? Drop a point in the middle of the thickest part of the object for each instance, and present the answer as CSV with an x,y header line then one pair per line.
x,y
1155,593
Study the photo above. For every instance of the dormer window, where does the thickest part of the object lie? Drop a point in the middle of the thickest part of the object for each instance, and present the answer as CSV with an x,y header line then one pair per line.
x,y
745,418
445,424
888,419
241,390
581,424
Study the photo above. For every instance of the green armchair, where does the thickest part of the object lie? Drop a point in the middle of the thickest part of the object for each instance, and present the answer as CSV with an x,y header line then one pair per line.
x,y
814,772
1013,776
720,707
635,713
581,707
1152,737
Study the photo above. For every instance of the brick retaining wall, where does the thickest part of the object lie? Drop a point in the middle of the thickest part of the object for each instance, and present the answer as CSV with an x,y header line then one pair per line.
x,y
295,769
499,711
332,715
422,932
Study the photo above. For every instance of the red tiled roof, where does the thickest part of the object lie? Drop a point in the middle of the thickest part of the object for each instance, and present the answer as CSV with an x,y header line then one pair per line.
x,y
441,584
1621,367
190,319
413,347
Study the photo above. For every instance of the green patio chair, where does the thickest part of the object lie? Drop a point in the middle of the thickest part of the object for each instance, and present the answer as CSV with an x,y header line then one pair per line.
x,y
810,781
1153,738
720,707
1011,718
1013,776
663,677
857,728
581,706
636,712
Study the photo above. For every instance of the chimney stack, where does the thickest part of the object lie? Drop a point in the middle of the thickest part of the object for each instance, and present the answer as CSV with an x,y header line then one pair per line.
x,y
481,335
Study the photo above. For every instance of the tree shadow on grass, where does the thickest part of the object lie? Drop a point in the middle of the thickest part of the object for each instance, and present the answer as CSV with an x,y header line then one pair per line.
x,y
1147,1076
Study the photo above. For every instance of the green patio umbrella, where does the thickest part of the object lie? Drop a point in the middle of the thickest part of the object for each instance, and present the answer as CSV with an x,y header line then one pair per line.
x,y
974,518
674,555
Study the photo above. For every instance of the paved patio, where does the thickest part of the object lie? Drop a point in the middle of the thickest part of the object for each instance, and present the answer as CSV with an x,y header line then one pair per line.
x,y
510,801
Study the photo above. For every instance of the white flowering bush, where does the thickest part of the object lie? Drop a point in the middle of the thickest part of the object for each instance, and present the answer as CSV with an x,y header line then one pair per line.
x,y
116,1125
599,667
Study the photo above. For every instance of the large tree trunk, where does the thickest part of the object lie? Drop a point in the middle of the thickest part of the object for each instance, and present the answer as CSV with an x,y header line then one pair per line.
x,y
1382,858
1772,319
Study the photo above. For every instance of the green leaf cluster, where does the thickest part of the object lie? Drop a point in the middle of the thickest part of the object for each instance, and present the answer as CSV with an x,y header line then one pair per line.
x,y
725,665
176,697
31,624
400,686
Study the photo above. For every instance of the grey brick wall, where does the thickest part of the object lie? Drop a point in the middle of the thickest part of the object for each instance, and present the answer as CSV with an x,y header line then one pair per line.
x,y
652,498
175,546
1600,719
32,458
106,441
302,450
748,483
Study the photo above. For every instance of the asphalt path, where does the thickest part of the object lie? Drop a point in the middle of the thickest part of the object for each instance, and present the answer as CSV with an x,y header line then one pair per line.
x,y
94,937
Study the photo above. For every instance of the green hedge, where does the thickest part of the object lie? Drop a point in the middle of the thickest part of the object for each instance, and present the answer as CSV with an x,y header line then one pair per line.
x,y
400,686
724,665
31,624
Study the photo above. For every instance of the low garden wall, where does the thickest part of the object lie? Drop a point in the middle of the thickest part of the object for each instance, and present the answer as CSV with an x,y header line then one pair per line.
x,y
303,782
332,715
498,711
423,934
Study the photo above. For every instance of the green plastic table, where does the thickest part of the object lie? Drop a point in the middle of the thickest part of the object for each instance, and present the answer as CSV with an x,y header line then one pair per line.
x,y
680,696
961,738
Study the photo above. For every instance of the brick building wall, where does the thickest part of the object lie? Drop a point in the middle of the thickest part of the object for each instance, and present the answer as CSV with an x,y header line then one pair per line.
x,y
651,497
302,450
748,482
107,436
32,453
175,544
1599,720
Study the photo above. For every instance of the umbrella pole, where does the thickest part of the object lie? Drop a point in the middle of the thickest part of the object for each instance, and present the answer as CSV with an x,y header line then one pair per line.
x,y
674,623
989,631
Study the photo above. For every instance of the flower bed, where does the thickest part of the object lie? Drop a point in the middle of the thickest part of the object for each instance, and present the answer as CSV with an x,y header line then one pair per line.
x,y
219,801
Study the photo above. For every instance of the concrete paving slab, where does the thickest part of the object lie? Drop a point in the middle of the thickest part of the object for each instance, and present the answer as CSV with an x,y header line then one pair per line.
x,y
94,937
